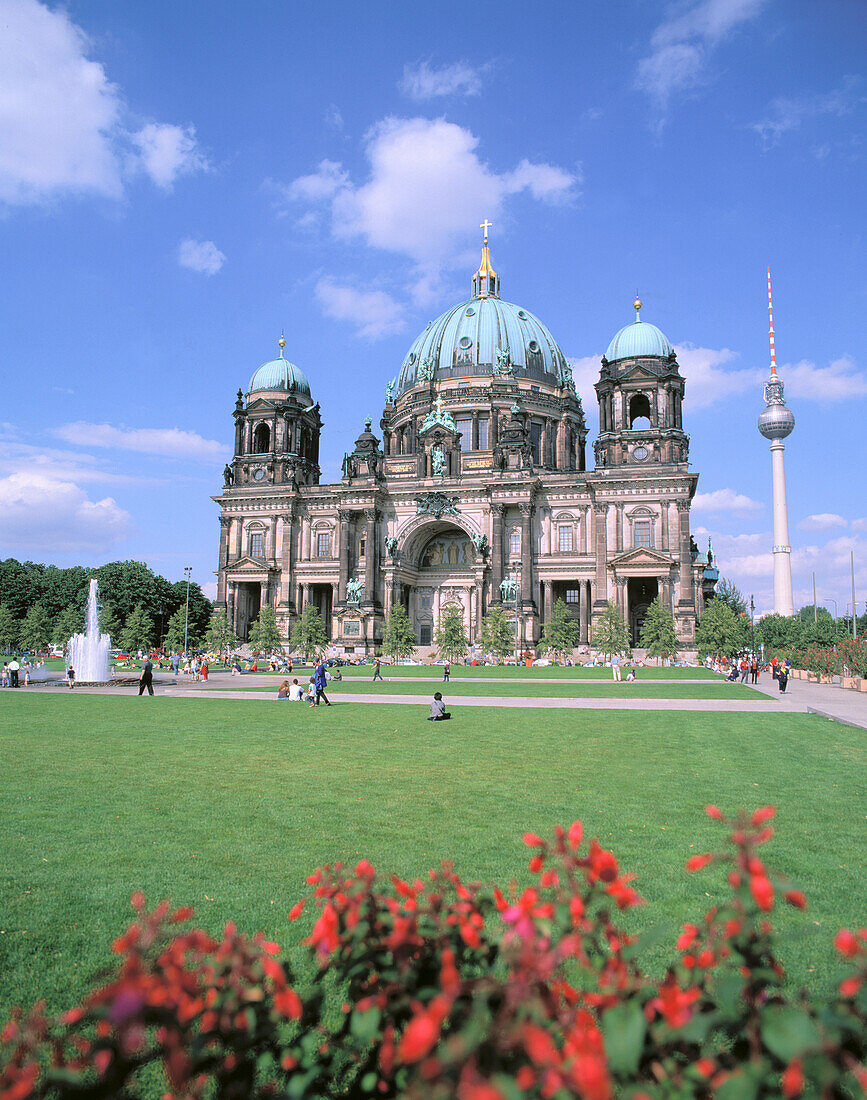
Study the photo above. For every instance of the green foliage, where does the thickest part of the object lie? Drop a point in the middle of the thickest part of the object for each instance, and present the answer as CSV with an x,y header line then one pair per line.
x,y
729,594
264,633
561,634
308,634
20,585
63,588
35,630
497,633
451,635
220,637
110,624
9,629
69,622
138,630
658,633
174,637
721,632
610,634
399,638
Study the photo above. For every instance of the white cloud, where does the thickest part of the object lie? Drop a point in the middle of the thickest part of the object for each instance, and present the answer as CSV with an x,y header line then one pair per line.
x,y
840,381
172,442
822,521
427,185
681,45
585,373
859,524
373,312
201,256
422,82
332,117
706,379
58,465
787,114
725,500
63,122
168,151
40,515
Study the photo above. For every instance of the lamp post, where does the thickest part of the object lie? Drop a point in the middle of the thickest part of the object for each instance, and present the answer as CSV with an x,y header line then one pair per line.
x,y
830,599
188,572
753,625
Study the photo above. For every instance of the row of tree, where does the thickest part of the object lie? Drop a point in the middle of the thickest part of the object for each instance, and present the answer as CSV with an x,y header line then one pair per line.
x,y
41,605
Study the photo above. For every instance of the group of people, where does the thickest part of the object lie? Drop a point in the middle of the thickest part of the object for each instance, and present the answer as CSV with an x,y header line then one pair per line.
x,y
745,669
314,691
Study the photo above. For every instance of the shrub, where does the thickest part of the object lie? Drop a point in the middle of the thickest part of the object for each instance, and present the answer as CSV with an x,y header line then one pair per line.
x,y
438,988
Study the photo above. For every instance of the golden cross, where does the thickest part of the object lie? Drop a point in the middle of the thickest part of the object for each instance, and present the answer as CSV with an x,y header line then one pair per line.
x,y
486,225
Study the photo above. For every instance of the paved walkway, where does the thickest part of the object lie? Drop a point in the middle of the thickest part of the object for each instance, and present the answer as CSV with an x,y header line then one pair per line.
x,y
826,700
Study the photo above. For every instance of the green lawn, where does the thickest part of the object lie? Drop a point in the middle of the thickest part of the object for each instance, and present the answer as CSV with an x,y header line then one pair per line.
x,y
566,690
509,672
228,806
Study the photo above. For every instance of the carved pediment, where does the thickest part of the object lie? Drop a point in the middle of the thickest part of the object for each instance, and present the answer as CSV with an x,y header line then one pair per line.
x,y
642,557
247,564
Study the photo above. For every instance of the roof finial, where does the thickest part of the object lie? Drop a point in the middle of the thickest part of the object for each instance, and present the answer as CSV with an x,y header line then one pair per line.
x,y
636,305
486,281
771,317
281,343
486,225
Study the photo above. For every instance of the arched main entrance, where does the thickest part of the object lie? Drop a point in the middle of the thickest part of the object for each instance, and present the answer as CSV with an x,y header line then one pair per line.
x,y
445,575
641,592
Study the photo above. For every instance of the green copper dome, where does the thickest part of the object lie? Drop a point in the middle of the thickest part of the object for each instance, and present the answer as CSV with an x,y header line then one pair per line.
x,y
279,374
637,340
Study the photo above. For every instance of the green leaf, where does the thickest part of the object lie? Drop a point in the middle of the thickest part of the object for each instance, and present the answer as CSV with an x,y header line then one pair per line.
x,y
365,1025
624,1028
368,1082
727,992
742,1086
788,1032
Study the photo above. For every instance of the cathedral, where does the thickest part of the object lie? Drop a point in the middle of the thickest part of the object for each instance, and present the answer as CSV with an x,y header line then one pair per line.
x,y
476,493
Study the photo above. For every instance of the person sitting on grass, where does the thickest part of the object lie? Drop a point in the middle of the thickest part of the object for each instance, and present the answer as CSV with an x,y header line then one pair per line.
x,y
630,677
438,712
283,690
296,692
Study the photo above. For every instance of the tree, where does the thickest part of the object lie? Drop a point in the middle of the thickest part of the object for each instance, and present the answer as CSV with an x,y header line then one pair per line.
x,y
109,623
9,629
308,633
63,588
264,633
20,585
721,632
451,635
610,635
728,592
68,622
220,637
174,638
35,630
399,639
658,634
496,634
137,630
561,633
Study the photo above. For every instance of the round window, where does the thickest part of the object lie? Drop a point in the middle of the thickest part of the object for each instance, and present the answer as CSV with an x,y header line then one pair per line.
x,y
465,342
411,358
640,453
533,346
470,312
522,315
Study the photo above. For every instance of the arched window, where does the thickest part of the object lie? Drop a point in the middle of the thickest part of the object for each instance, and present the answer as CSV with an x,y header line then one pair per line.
x,y
256,542
639,411
262,439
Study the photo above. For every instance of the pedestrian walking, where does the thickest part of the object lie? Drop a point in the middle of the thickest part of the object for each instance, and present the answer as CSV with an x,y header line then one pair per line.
x,y
745,669
320,681
754,670
13,672
447,671
783,678
615,666
377,670
146,680
70,677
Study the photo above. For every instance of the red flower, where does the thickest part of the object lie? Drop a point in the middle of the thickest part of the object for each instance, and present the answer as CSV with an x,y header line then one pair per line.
x,y
695,863
540,1046
296,910
846,943
532,840
765,813
324,935
715,812
288,1004
674,1003
849,987
763,892
793,1078
576,831
796,898
687,937
419,1038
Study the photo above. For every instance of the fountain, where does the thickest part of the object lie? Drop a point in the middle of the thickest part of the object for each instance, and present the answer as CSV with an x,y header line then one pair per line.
x,y
89,653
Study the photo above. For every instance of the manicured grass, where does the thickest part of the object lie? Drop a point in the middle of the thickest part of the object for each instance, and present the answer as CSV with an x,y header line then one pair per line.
x,y
508,672
607,690
228,806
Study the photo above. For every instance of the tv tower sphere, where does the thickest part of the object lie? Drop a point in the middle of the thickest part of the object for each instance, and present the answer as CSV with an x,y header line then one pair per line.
x,y
777,420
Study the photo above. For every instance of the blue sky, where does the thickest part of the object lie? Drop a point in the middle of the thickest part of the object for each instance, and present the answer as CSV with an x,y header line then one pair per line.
x,y
179,183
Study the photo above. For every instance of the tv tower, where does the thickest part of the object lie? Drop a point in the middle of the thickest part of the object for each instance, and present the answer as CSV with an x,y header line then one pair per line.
x,y
775,423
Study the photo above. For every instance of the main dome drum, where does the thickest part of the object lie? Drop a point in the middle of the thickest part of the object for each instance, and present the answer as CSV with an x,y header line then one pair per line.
x,y
484,335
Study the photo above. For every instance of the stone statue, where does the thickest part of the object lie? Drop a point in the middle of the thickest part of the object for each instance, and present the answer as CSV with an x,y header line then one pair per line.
x,y
568,380
228,475
436,505
389,391
348,465
481,544
437,460
354,590
503,361
426,369
391,545
508,590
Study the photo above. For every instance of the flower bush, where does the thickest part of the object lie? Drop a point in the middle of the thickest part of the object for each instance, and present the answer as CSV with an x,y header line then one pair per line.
x,y
439,988
853,655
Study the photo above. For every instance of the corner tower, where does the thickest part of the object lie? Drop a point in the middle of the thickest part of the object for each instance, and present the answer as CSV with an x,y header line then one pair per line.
x,y
640,393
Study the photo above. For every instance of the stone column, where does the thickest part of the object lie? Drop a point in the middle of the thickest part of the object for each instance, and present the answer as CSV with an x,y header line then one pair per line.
x,y
263,594
370,556
306,535
583,611
585,534
344,520
496,550
230,605
526,553
619,520
547,600
600,525
687,598
286,559
223,561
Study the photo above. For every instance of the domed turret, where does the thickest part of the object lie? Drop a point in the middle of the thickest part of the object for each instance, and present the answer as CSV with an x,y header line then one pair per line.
x,y
279,375
638,340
